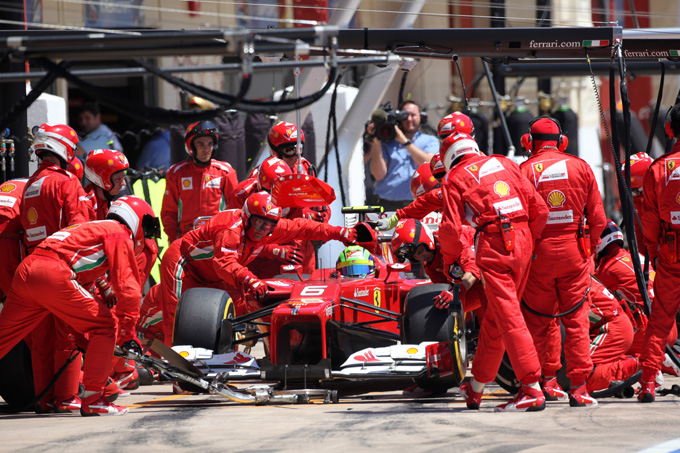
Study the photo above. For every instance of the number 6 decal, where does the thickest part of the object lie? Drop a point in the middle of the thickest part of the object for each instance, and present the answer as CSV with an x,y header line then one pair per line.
x,y
313,290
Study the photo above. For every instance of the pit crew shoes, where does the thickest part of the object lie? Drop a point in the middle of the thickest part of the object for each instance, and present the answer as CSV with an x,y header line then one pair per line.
x,y
127,380
69,405
552,390
647,390
472,398
669,367
528,399
579,397
100,405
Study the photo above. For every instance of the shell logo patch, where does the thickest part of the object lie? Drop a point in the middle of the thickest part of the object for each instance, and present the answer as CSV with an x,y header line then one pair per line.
x,y
187,184
677,197
32,215
556,199
501,188
7,188
109,162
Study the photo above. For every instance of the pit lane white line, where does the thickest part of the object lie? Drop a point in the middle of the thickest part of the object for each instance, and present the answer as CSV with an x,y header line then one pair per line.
x,y
672,446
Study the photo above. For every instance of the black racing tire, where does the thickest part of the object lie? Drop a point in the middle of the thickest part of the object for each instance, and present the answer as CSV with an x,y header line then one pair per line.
x,y
199,317
422,321
16,377
506,376
508,381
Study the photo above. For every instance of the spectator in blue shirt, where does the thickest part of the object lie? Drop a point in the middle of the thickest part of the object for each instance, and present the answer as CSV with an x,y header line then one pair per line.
x,y
156,152
392,163
95,134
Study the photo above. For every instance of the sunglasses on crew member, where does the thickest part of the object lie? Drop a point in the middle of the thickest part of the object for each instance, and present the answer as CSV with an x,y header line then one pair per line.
x,y
406,252
261,224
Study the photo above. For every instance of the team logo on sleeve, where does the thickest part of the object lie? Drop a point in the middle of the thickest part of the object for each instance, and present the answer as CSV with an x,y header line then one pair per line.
x,y
538,168
187,184
556,199
492,165
8,187
501,189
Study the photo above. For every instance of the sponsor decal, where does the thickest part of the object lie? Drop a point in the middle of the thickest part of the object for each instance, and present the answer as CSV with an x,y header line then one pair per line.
x,y
538,168
556,199
187,184
554,172
377,298
278,283
184,354
672,171
7,188
7,202
675,217
60,235
560,217
368,356
360,292
212,182
238,358
677,197
36,234
508,206
412,351
492,165
32,215
34,189
501,188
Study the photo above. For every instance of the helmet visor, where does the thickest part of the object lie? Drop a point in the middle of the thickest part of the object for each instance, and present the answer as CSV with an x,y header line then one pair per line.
x,y
355,268
262,224
405,252
151,227
289,150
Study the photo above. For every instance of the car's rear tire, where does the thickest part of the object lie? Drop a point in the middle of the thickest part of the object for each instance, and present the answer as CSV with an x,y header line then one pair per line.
x,y
422,321
200,316
16,377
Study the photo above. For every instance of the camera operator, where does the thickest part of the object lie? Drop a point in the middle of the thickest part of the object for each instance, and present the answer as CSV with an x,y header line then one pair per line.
x,y
394,159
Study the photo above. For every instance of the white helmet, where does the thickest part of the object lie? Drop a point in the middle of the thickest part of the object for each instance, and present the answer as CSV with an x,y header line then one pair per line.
x,y
455,146
59,139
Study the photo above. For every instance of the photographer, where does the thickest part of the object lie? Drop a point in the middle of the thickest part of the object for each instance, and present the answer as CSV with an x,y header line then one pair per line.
x,y
394,159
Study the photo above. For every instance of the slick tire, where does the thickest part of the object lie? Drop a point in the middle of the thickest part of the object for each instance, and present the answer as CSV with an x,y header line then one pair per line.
x,y
422,321
16,377
200,315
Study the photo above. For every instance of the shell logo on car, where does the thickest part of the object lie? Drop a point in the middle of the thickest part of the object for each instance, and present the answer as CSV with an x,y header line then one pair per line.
x,y
412,351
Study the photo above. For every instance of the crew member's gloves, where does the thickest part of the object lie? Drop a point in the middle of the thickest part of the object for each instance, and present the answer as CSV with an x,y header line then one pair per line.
x,y
132,346
443,300
386,223
347,236
288,254
313,214
106,292
257,288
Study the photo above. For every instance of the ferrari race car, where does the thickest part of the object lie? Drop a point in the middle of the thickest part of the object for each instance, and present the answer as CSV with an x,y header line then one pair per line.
x,y
325,331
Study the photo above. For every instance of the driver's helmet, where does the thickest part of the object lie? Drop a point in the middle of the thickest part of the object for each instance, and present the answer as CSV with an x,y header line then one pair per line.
x,y
355,261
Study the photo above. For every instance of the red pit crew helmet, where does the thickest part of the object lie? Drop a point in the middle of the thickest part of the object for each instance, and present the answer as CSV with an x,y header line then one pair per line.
x,y
101,164
59,139
138,216
407,236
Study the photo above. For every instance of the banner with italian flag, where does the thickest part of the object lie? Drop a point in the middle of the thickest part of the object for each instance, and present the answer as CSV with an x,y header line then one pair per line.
x,y
596,43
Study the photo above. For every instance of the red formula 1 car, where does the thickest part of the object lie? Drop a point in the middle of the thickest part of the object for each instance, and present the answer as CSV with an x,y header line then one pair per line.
x,y
326,331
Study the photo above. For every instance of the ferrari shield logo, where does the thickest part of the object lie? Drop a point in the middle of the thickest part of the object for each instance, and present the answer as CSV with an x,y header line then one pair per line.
x,y
671,165
538,167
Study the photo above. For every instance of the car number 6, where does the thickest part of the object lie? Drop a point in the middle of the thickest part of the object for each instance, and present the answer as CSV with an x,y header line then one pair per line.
x,y
313,290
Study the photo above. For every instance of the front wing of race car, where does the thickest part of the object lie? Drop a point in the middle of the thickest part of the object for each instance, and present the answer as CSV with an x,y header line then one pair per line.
x,y
210,372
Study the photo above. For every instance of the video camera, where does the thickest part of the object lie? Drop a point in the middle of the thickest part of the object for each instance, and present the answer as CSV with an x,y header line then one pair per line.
x,y
385,120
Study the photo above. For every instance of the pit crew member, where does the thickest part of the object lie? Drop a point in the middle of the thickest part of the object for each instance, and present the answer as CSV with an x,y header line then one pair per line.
x,y
199,186
559,277
59,266
491,194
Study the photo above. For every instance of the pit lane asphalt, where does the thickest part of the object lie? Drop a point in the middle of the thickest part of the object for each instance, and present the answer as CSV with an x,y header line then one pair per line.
x,y
161,421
